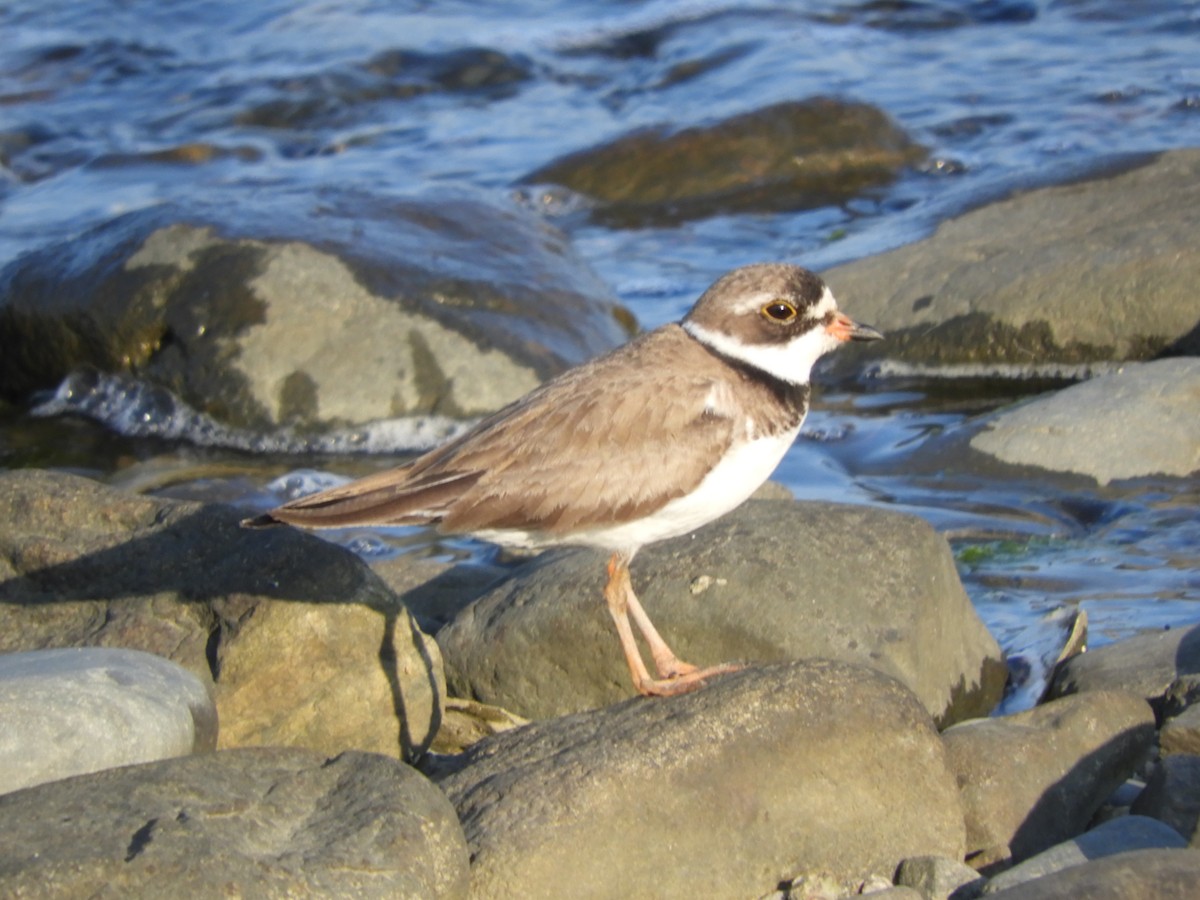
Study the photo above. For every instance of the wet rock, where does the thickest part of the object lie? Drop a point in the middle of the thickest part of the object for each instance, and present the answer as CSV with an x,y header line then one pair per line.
x,y
1172,794
1047,280
939,877
69,712
266,822
305,644
765,775
774,580
794,155
309,311
1119,835
1132,423
1137,875
1073,753
1147,664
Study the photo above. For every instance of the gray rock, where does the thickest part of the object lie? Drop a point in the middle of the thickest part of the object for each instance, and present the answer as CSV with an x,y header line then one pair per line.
x,y
773,580
1072,754
1054,279
1172,794
1147,664
1137,875
306,645
1181,734
939,877
726,792
266,822
1118,835
69,712
310,314
1142,420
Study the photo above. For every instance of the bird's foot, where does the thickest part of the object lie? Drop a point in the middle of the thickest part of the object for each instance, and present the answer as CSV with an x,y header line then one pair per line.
x,y
687,681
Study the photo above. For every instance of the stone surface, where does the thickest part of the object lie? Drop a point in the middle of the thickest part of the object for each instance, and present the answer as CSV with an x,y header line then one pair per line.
x,y
254,822
305,644
1137,875
1072,755
69,712
773,580
1146,664
1172,794
726,792
1119,835
1143,420
1043,281
939,877
309,310
1181,733
744,163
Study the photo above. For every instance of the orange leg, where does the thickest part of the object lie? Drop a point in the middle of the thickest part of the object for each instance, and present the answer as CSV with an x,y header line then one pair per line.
x,y
675,676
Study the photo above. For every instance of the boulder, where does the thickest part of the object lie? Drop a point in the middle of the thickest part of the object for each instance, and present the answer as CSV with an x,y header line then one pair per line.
x,y
309,310
773,580
263,822
1133,423
1047,281
305,644
70,712
1034,779
766,775
1172,795
1137,875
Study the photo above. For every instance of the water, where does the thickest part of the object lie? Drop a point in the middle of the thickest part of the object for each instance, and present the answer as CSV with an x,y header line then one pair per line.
x,y
97,99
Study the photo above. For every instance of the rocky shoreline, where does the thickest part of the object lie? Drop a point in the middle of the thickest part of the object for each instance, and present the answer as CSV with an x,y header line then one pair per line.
x,y
851,755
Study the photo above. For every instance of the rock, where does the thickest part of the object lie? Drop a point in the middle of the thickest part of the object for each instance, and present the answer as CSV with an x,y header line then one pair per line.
x,y
1137,875
742,164
1129,424
1118,835
765,775
1147,664
1073,753
305,644
1046,281
1181,734
434,591
266,823
939,877
774,580
310,312
1172,794
69,712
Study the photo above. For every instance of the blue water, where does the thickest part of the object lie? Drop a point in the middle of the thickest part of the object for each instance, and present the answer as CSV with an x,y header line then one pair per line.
x,y
289,94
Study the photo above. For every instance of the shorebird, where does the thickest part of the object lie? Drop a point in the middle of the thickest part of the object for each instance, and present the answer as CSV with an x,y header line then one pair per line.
x,y
648,442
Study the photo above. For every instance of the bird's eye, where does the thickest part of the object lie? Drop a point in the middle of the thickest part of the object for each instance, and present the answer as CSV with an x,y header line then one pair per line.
x,y
779,310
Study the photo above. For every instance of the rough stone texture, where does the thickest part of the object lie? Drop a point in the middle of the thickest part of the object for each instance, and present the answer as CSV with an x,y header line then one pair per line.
x,y
725,792
939,877
254,822
1096,270
1172,794
773,580
1119,835
1181,734
744,163
1143,420
1147,664
1034,779
69,712
305,643
1137,875
311,311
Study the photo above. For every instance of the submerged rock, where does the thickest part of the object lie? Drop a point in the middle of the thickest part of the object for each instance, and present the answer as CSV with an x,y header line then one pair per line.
x,y
773,580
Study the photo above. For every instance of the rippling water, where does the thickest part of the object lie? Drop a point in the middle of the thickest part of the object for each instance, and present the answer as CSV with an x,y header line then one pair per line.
x,y
111,106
